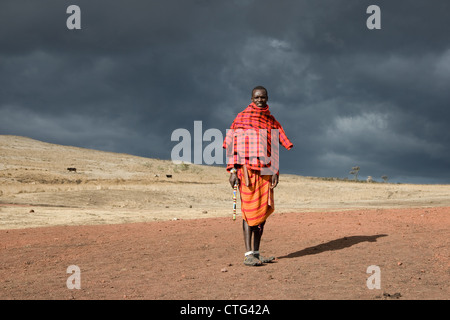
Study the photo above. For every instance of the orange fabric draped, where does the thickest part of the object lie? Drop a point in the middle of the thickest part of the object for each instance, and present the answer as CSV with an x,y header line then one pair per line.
x,y
257,202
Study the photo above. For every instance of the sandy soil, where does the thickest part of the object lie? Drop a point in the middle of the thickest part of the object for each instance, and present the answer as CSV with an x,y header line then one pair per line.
x,y
137,234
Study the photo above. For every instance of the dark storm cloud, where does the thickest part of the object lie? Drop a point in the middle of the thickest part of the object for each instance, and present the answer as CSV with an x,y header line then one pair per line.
x,y
137,70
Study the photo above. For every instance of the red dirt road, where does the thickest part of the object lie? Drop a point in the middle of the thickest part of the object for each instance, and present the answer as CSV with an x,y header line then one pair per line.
x,y
321,255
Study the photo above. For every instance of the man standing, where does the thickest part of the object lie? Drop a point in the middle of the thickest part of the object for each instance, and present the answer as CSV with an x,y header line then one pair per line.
x,y
251,143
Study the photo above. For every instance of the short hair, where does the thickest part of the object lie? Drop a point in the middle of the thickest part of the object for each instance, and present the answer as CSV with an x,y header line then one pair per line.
x,y
259,88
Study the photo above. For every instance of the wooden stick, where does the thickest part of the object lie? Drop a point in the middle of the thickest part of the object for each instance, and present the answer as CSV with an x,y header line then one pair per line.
x,y
234,201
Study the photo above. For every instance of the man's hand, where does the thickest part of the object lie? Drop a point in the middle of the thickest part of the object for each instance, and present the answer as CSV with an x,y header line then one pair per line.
x,y
274,181
234,179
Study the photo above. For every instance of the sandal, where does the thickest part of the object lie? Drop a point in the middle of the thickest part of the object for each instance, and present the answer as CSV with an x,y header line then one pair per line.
x,y
251,260
266,260
263,259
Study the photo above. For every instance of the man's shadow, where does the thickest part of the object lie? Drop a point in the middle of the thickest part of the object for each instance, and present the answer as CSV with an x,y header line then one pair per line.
x,y
332,245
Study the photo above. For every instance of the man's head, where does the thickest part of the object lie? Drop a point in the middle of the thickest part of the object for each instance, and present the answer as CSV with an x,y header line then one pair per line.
x,y
260,96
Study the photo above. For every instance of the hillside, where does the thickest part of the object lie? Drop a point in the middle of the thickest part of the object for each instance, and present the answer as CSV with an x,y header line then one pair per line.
x,y
36,189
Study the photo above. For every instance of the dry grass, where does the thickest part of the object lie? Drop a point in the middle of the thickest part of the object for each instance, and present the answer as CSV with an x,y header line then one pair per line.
x,y
115,188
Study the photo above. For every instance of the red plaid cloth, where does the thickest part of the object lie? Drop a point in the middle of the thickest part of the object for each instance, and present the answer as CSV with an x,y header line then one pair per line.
x,y
250,147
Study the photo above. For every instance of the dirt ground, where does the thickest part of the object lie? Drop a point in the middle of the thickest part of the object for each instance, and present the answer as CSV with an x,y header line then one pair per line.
x,y
136,234
320,255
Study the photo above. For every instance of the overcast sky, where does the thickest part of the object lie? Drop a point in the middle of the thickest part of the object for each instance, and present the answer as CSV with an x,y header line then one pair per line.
x,y
137,70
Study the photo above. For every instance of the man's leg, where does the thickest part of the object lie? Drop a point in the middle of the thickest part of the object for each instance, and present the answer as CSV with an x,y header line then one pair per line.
x,y
258,232
250,258
247,235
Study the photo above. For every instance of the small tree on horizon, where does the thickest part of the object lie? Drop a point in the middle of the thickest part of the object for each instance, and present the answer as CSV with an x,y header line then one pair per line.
x,y
355,171
385,178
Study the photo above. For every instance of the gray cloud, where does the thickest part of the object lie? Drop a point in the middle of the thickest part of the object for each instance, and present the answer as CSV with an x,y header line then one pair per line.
x,y
140,69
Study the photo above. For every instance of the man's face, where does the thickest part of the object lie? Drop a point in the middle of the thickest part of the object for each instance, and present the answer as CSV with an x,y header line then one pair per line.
x,y
259,98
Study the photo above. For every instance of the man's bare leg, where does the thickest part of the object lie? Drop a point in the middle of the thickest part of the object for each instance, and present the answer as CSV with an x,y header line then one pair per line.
x,y
255,232
247,235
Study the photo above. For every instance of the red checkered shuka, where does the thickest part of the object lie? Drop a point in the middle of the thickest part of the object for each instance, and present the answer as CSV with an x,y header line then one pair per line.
x,y
249,140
